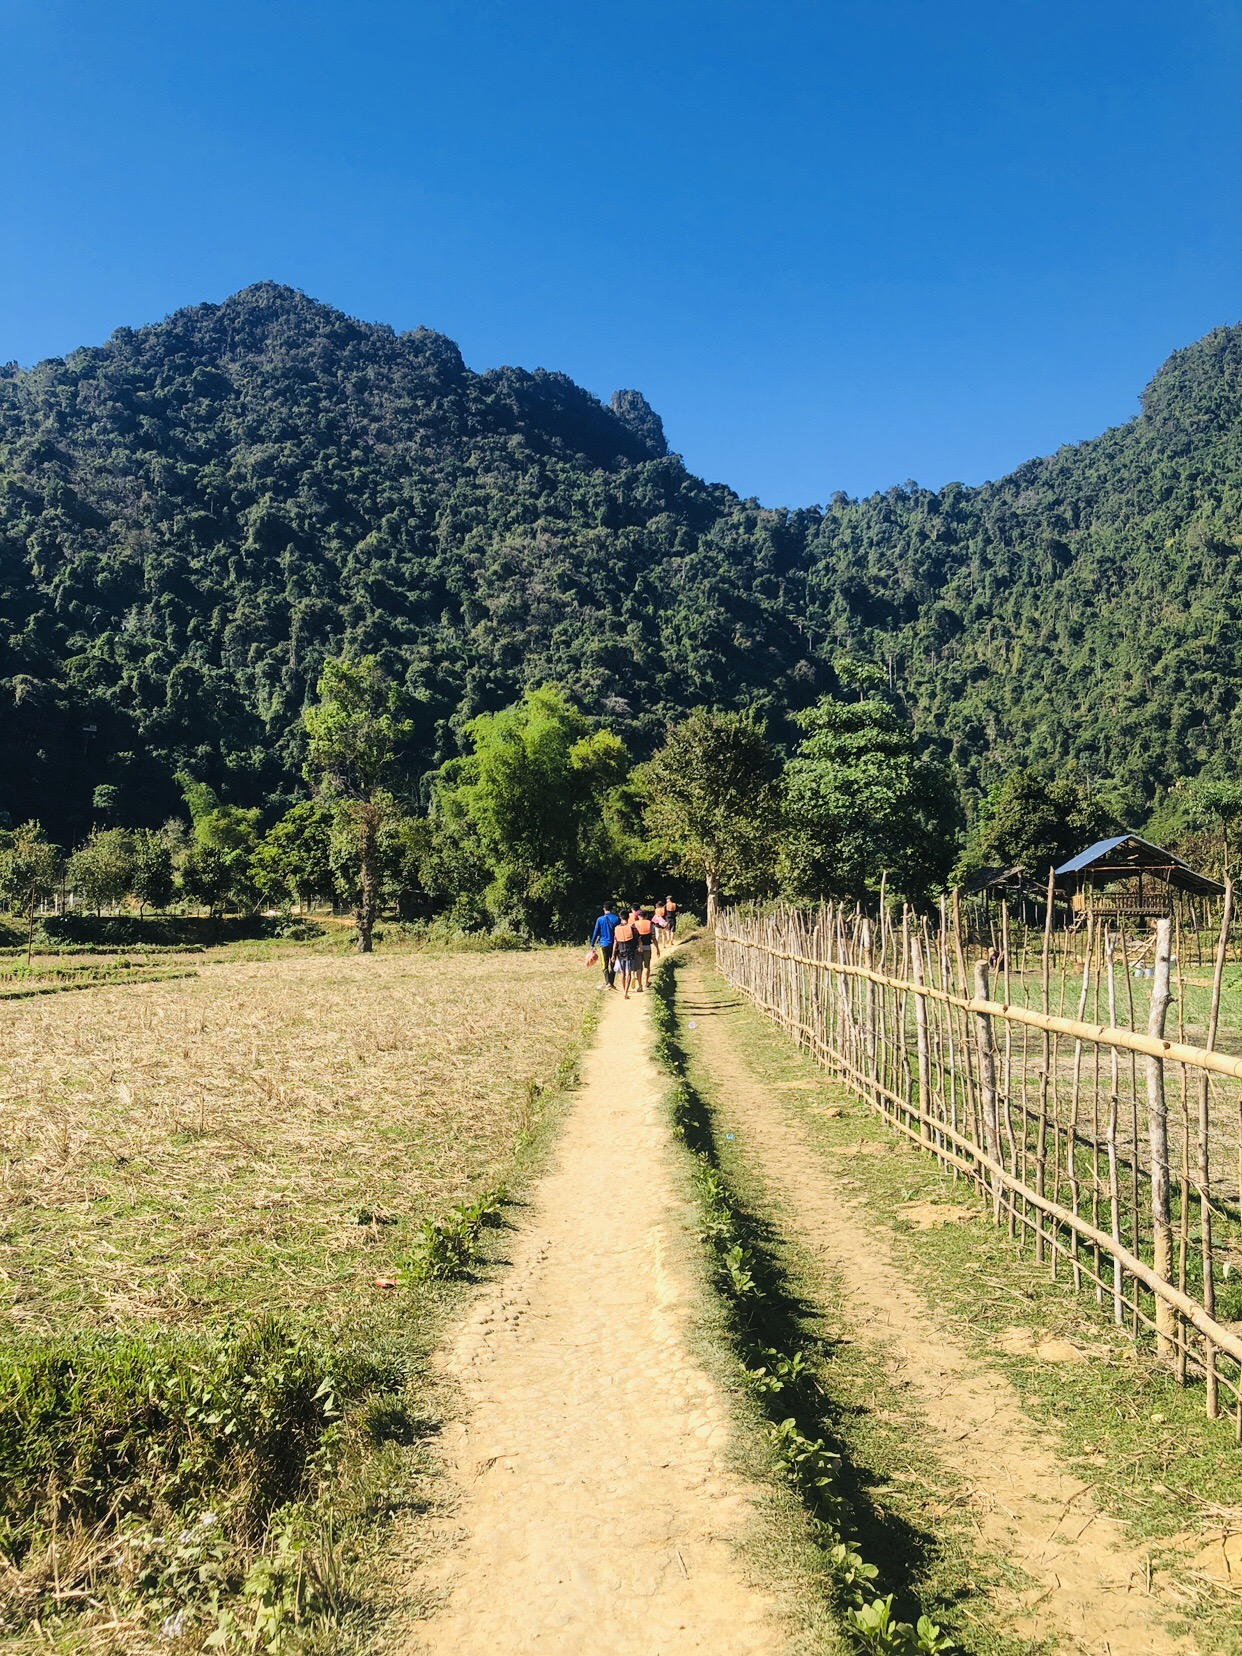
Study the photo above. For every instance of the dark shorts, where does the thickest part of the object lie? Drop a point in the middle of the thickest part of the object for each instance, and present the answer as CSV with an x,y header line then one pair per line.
x,y
623,957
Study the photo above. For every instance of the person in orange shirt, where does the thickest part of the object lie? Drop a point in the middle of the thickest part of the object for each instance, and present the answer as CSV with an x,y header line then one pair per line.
x,y
645,932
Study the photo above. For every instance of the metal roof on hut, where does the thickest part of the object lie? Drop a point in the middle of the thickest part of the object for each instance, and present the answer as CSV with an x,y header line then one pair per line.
x,y
1156,874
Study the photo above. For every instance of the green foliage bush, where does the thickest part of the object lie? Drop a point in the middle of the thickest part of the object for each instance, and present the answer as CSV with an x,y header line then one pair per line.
x,y
99,1428
174,1456
448,1248
170,931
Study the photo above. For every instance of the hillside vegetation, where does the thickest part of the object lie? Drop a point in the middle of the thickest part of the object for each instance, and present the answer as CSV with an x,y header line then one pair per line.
x,y
194,515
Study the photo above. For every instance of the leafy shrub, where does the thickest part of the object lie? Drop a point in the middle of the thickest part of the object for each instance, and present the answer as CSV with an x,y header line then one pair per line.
x,y
449,1248
168,1453
751,1287
172,930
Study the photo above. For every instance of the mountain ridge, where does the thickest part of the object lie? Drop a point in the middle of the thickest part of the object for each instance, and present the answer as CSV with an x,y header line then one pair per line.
x,y
194,513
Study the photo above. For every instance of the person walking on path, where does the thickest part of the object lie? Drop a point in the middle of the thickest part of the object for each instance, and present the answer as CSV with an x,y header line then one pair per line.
x,y
625,953
601,939
645,932
670,917
660,928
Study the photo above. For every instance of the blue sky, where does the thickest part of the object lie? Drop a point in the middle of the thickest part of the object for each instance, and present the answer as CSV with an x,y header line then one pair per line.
x,y
836,245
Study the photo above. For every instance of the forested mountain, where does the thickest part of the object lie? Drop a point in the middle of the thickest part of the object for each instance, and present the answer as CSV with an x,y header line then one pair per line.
x,y
194,514
1085,607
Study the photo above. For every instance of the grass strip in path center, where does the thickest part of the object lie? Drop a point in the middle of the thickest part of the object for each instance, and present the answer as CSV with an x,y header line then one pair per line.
x,y
783,1357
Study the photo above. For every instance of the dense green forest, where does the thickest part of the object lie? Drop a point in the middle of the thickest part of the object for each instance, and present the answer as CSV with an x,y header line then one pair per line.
x,y
194,516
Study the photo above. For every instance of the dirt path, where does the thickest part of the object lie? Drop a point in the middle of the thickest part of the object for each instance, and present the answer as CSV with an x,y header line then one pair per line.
x,y
597,1511
1092,1584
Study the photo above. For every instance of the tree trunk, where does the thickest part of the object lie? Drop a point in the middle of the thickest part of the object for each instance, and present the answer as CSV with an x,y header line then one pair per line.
x,y
368,877
713,898
1158,1139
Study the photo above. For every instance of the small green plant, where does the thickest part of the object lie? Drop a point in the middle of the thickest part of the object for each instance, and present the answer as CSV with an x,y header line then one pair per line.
x,y
448,1248
179,1572
778,1372
290,1586
876,1631
878,1634
736,1265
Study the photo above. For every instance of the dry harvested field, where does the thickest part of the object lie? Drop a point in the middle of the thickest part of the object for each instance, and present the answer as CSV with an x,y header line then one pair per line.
x,y
264,1134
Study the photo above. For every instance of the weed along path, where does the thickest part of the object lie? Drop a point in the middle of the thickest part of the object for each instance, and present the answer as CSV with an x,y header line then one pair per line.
x,y
1088,1589
596,1509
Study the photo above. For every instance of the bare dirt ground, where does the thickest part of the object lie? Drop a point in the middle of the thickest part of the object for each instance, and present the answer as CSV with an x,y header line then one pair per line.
x,y
597,1511
1091,1593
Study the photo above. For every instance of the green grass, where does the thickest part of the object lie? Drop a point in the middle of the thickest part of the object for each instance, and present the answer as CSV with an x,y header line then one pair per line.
x,y
885,1582
1121,1421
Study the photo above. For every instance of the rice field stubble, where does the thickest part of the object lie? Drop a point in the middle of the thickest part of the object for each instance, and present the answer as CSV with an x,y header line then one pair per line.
x,y
263,1136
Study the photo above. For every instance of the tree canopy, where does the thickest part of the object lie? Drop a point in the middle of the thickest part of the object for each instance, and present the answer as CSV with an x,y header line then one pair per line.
x,y
1034,822
529,803
859,800
711,802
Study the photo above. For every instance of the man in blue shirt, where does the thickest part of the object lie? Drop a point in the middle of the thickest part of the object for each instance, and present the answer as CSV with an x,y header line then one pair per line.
x,y
601,939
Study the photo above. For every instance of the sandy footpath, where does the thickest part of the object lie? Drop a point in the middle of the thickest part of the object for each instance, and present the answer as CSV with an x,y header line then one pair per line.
x,y
596,1512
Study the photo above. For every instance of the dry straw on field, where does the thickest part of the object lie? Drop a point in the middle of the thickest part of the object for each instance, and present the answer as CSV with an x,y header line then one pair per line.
x,y
265,1134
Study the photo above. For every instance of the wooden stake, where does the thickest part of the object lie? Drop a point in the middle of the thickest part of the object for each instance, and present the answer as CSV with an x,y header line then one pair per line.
x,y
1205,1170
1158,1140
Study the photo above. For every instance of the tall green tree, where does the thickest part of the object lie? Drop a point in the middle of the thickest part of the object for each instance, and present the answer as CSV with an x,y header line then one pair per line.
x,y
30,868
1034,822
859,800
529,803
354,737
152,881
712,802
215,866
1215,804
101,871
206,876
292,863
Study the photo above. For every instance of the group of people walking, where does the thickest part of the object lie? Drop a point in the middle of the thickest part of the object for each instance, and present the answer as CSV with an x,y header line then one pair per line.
x,y
626,945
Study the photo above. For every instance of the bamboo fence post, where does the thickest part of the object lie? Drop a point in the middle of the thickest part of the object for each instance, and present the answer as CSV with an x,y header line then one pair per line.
x,y
1136,1207
1114,1104
1101,933
1183,1215
1071,1133
1205,1172
987,1083
920,1028
976,1130
1007,1064
1045,1077
1158,1138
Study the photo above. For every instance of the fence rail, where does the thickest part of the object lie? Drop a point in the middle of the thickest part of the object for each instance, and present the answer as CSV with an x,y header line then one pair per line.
x,y
1097,1139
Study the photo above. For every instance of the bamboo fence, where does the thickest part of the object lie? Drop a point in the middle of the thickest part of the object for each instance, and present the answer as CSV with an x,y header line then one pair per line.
x,y
1089,1127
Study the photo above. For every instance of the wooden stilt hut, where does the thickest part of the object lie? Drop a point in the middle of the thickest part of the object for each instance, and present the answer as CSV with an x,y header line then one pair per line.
x,y
1128,878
